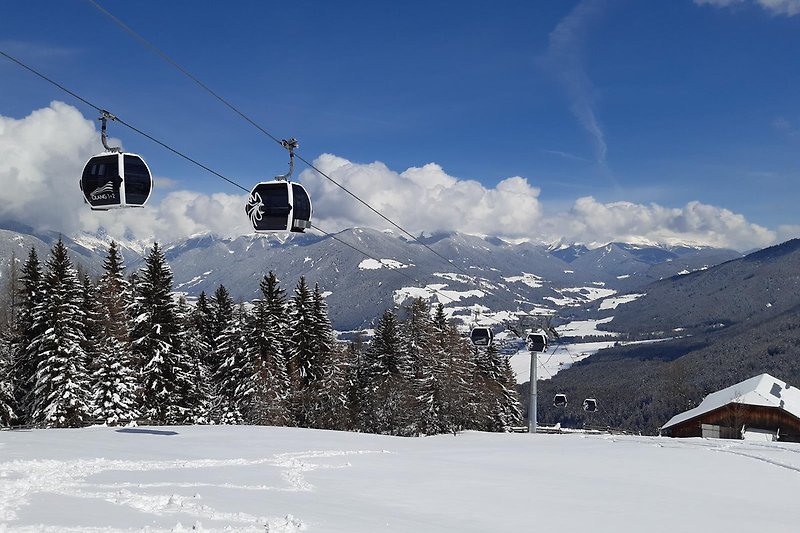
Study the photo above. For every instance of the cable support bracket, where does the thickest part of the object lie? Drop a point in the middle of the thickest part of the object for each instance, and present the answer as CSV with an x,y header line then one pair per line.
x,y
291,145
105,116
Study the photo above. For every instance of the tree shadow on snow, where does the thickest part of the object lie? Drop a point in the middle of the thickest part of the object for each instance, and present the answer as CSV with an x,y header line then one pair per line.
x,y
147,431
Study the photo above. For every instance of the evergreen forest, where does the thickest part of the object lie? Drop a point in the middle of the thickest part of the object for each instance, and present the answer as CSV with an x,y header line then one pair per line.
x,y
125,349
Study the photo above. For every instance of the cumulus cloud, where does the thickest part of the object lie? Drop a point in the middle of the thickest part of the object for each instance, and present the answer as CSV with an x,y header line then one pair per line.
x,y
695,223
564,58
420,199
41,157
788,8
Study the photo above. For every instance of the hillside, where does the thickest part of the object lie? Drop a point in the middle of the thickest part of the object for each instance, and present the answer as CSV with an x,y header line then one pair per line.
x,y
722,325
483,273
287,480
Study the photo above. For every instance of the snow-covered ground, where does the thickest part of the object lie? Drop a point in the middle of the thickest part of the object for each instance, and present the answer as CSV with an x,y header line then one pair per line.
x,y
287,480
613,303
558,357
585,328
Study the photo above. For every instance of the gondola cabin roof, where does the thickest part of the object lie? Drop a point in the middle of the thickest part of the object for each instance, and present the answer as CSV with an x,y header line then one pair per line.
x,y
279,206
114,180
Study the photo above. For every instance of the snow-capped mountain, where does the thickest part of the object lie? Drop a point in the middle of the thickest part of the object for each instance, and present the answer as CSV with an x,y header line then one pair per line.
x,y
469,273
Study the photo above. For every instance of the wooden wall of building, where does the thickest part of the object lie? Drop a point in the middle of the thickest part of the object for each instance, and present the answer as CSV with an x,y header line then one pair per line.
x,y
736,415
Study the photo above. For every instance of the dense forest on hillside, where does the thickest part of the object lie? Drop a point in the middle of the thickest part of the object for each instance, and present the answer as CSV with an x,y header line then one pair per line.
x,y
639,387
122,348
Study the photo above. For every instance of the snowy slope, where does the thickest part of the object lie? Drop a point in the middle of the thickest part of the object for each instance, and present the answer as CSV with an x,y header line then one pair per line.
x,y
246,478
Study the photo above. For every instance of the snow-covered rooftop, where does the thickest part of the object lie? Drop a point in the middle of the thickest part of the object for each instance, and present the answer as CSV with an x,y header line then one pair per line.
x,y
762,390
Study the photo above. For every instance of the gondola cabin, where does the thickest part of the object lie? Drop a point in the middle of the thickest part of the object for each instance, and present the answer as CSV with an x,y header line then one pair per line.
x,y
279,206
114,180
536,342
481,336
590,405
560,400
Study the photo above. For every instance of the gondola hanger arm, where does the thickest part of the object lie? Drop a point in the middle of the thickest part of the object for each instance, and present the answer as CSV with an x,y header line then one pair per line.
x,y
290,145
105,116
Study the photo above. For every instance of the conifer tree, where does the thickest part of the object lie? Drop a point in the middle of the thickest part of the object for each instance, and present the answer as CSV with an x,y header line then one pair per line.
x,y
384,400
25,359
427,370
302,359
61,393
166,385
115,381
202,322
499,407
194,345
7,414
266,333
328,409
234,387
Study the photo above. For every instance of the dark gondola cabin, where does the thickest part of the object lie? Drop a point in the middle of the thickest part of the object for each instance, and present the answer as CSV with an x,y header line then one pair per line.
x,y
481,336
279,206
560,400
113,180
536,342
590,405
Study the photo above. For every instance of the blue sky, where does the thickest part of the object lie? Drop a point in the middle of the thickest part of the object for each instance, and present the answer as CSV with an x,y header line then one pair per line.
x,y
619,100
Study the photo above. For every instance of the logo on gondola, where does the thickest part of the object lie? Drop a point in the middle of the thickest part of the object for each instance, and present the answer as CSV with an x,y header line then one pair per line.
x,y
253,208
106,192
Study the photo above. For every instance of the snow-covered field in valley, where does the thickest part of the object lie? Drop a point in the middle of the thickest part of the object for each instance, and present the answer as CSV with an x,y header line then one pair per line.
x,y
286,479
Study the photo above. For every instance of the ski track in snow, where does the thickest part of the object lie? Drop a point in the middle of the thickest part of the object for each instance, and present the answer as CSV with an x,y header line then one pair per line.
x,y
739,448
19,480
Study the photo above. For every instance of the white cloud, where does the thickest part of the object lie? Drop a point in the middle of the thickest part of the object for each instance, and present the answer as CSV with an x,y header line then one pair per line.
x,y
420,199
41,157
695,223
564,58
788,8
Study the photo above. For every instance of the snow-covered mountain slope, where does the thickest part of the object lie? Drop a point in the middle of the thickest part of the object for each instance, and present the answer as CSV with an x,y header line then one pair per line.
x,y
477,273
281,480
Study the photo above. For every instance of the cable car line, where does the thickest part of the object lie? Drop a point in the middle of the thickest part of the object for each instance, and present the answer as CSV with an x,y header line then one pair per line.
x,y
180,154
175,64
105,114
390,266
206,88
126,124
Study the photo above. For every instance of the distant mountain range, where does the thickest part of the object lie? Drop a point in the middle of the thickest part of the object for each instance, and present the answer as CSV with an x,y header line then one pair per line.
x,y
480,271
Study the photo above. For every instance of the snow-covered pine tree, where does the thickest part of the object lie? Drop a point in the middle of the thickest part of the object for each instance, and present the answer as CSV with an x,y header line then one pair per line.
x,y
510,412
427,366
166,380
25,359
197,351
302,358
91,318
61,395
266,331
384,398
115,383
233,384
329,406
7,415
457,398
202,323
498,402
221,306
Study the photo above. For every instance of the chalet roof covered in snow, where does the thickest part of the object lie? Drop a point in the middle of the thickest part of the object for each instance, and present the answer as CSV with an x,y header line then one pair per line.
x,y
762,390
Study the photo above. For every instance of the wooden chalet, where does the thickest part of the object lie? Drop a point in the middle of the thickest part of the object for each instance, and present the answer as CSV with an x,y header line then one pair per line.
x,y
761,407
